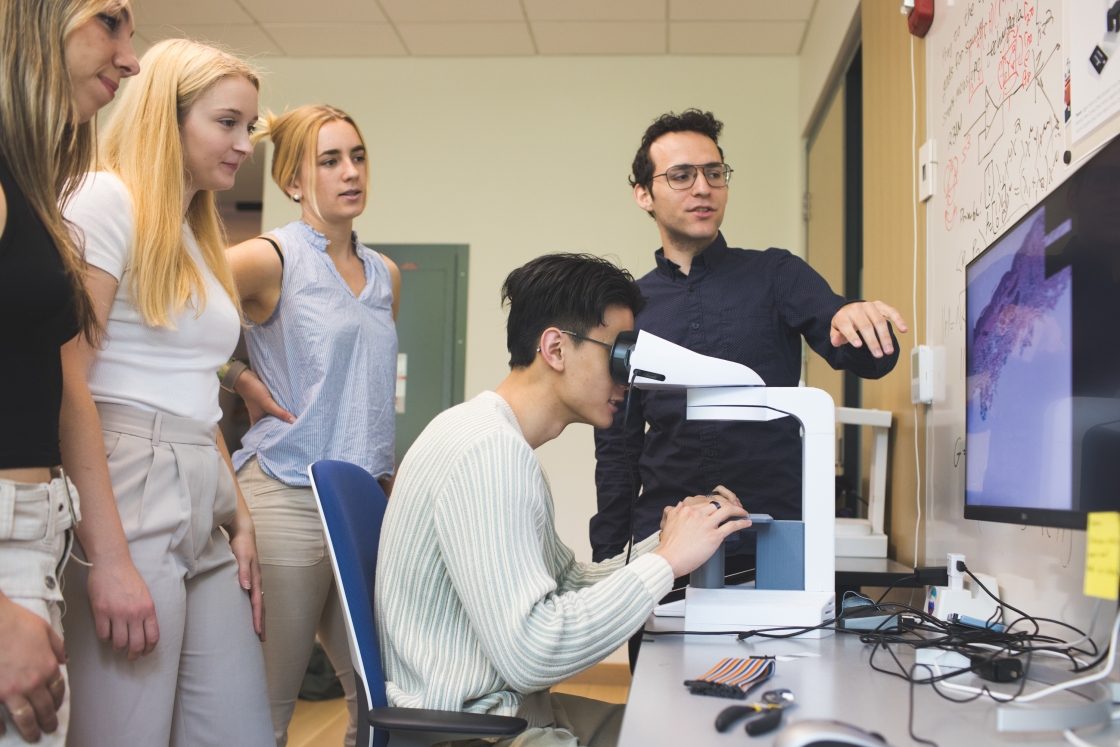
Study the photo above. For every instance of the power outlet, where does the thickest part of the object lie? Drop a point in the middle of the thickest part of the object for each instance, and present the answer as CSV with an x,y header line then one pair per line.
x,y
921,375
927,170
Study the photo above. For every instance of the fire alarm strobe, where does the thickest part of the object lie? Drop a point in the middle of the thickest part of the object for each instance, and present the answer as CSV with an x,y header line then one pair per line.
x,y
921,16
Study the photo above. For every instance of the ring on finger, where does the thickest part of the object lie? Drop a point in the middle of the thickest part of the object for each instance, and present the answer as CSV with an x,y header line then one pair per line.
x,y
716,504
55,683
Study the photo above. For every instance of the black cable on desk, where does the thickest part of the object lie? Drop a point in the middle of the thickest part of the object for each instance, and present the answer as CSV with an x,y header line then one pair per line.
x,y
897,581
918,629
910,720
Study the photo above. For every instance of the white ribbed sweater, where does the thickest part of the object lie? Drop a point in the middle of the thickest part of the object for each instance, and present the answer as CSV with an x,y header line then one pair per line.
x,y
478,602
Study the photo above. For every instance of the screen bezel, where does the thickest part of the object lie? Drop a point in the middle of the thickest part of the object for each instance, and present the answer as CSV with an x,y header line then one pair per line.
x,y
1040,517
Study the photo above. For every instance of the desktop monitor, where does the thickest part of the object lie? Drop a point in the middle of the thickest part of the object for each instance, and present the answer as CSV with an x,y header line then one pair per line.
x,y
1043,357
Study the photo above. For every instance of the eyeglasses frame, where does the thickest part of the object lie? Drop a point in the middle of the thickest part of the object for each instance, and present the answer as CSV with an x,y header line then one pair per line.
x,y
728,171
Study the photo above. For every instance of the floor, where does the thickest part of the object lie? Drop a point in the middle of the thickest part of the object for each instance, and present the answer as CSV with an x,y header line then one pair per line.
x,y
323,723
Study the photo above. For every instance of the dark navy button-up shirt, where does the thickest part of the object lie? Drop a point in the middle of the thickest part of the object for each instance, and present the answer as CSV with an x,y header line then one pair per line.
x,y
748,306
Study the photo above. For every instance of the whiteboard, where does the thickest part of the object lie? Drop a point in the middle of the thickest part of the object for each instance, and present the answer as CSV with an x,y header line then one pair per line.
x,y
996,109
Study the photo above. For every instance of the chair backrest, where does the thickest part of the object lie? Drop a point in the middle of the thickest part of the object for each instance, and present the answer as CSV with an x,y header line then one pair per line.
x,y
352,506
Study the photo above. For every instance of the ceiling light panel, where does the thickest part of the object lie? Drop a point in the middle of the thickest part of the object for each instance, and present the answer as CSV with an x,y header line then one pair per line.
x,y
600,37
441,11
467,39
736,37
247,40
317,12
337,39
158,12
596,10
740,10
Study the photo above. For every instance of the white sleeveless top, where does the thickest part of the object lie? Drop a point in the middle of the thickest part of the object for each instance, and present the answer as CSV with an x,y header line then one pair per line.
x,y
173,371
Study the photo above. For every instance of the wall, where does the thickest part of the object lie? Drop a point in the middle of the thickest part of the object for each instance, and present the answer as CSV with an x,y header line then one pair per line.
x,y
832,36
1039,569
888,241
519,157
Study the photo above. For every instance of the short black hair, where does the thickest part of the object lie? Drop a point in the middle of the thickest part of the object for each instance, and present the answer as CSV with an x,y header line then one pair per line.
x,y
570,291
690,120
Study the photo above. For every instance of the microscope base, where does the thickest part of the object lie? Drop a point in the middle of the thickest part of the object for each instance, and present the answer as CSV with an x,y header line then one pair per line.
x,y
753,609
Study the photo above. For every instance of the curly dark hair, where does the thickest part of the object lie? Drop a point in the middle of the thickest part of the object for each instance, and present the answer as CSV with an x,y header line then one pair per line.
x,y
570,291
690,120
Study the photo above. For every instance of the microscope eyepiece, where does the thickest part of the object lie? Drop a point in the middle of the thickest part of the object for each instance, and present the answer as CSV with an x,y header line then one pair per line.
x,y
620,356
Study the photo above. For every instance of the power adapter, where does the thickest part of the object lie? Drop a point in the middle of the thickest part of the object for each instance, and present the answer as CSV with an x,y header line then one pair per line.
x,y
933,576
999,669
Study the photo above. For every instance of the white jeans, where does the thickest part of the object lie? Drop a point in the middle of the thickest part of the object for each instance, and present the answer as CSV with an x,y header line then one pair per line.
x,y
203,685
35,540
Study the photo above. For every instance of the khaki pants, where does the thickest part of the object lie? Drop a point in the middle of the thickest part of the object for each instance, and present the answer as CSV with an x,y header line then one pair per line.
x,y
580,722
302,595
204,684
35,538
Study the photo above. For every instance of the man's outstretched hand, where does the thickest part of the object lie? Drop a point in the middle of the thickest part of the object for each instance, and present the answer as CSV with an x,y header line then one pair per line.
x,y
869,319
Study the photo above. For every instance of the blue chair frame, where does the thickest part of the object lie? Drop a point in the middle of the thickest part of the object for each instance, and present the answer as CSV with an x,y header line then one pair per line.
x,y
352,506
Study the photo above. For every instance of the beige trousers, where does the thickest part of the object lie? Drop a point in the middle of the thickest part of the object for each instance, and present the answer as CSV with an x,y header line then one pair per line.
x,y
35,538
580,722
204,684
302,595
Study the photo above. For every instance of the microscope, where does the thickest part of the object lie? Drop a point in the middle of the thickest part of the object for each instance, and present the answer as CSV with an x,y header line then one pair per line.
x,y
795,570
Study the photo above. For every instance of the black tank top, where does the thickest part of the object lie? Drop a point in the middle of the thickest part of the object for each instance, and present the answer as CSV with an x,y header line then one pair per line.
x,y
36,317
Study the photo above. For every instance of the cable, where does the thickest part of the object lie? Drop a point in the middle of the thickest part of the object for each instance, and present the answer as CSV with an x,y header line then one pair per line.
x,y
962,567
914,284
1075,740
629,471
897,581
1047,691
910,720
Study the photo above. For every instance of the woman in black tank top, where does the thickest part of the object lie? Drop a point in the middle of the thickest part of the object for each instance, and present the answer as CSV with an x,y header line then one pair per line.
x,y
43,305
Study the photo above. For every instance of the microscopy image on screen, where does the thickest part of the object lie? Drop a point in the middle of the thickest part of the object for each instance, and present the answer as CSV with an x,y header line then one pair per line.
x,y
1019,377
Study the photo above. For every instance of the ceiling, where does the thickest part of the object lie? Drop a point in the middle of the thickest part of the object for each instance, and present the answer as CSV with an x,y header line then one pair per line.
x,y
480,28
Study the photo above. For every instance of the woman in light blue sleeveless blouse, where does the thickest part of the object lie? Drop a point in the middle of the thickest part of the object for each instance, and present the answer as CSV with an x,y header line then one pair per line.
x,y
321,311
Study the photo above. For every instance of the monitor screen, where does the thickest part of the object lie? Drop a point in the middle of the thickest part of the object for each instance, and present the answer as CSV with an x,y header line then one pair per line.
x,y
1043,358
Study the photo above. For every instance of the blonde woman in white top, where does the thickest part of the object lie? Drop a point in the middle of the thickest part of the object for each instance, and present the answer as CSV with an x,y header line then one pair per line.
x,y
163,290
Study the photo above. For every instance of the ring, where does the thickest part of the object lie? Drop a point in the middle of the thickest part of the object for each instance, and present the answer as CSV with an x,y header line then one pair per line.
x,y
716,504
56,683
18,711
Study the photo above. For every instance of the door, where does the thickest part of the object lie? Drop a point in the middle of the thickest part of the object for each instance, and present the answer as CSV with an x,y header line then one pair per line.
x,y
825,235
432,333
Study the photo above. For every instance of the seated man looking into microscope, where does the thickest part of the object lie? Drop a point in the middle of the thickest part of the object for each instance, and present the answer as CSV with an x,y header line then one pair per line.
x,y
480,606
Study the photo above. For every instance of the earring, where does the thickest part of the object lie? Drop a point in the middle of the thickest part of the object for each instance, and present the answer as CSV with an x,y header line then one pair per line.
x,y
295,198
538,350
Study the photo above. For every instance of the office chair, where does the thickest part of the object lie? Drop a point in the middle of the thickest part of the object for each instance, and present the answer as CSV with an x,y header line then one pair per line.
x,y
352,506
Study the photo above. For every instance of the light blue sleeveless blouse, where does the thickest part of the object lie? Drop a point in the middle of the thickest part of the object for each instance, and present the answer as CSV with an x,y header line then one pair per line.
x,y
328,358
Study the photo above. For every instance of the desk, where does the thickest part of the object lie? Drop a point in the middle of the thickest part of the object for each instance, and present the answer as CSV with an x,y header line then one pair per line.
x,y
839,684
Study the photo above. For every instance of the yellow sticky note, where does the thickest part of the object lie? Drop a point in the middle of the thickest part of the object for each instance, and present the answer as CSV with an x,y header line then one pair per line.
x,y
1102,555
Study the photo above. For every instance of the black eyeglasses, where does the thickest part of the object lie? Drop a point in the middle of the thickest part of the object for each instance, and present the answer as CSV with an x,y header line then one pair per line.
x,y
608,346
683,177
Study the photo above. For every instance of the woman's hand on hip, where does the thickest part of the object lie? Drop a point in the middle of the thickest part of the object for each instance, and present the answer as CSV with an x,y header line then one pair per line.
x,y
243,542
31,684
258,400
123,611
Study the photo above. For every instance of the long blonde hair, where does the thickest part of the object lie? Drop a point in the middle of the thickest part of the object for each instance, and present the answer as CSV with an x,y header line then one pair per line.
x,y
43,141
295,140
142,145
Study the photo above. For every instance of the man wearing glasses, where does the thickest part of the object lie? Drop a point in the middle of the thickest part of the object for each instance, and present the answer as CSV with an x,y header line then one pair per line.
x,y
748,306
